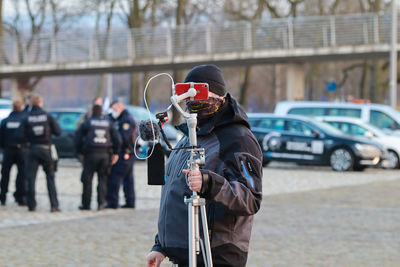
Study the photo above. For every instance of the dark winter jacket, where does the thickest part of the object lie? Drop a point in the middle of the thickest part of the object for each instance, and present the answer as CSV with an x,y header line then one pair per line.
x,y
97,134
128,129
9,135
38,126
234,169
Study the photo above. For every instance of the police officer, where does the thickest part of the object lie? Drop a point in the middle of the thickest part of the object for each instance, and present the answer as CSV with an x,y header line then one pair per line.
x,y
37,127
14,150
96,101
122,171
95,139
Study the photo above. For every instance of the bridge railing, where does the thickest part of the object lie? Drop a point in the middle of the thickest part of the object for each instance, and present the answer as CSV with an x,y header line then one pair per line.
x,y
206,39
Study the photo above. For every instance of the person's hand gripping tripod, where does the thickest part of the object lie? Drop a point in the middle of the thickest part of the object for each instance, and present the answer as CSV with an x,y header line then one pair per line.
x,y
195,202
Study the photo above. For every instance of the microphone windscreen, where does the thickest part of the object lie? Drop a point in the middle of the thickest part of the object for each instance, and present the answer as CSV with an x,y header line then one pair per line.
x,y
146,132
155,166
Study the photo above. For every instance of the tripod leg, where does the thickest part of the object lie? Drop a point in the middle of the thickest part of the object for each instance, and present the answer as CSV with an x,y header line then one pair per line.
x,y
204,254
197,229
206,237
192,240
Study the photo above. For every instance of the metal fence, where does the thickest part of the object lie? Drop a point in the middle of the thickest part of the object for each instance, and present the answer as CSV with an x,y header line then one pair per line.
x,y
233,37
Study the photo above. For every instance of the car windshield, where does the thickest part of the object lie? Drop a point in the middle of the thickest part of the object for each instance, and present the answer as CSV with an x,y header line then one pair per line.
x,y
329,129
393,112
67,120
368,127
140,113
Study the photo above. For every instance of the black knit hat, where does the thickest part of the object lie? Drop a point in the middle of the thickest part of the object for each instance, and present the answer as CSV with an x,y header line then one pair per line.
x,y
210,74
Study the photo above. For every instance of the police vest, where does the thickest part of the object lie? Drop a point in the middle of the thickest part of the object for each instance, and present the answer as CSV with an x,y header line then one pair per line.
x,y
39,131
11,127
98,134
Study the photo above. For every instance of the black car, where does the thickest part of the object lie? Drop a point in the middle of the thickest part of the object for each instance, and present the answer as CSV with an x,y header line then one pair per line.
x,y
68,119
307,141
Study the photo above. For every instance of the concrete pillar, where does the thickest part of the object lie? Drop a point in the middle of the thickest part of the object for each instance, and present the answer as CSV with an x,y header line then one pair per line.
x,y
295,81
15,93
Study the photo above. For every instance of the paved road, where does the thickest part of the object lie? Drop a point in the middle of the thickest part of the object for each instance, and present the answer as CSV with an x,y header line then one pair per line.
x,y
309,217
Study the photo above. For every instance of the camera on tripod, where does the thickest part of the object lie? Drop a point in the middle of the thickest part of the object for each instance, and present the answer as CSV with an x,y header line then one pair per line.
x,y
196,205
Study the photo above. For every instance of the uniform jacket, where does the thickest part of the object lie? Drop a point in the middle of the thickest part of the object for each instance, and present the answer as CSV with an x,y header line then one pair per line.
x,y
86,143
38,126
9,136
234,169
127,128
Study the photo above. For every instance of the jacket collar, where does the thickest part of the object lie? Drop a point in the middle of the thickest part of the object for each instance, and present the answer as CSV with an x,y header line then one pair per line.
x,y
123,113
15,112
36,109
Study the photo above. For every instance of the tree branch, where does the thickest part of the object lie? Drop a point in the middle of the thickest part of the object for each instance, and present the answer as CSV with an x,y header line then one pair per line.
x,y
334,6
362,6
272,9
35,82
345,73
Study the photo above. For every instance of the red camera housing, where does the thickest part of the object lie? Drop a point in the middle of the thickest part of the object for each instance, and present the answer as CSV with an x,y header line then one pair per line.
x,y
201,89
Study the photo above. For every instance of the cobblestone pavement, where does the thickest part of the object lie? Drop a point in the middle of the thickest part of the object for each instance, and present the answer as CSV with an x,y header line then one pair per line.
x,y
309,217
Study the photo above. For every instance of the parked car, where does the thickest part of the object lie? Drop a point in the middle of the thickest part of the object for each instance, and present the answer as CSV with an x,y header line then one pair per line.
x,y
354,126
382,116
307,141
5,108
172,134
68,119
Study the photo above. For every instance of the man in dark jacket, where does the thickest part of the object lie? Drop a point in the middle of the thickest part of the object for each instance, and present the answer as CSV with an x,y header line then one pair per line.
x,y
230,180
37,128
97,140
122,171
14,150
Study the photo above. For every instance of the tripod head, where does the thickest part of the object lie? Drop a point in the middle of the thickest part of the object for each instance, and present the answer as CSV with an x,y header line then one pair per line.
x,y
191,118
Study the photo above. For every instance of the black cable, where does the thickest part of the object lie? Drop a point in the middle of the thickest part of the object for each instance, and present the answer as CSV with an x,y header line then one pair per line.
x,y
164,136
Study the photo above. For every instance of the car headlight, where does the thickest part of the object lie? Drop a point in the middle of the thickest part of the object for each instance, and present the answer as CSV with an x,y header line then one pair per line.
x,y
367,149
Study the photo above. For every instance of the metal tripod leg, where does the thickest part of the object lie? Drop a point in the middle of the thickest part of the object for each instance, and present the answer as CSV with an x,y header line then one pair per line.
x,y
207,246
192,237
194,203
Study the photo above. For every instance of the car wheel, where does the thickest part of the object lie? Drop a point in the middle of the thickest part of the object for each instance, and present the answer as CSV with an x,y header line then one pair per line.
x,y
341,159
392,161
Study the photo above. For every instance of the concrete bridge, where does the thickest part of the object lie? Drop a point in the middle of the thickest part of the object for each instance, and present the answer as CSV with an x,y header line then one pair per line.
x,y
291,41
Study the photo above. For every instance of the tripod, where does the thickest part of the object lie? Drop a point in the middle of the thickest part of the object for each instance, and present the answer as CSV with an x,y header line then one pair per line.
x,y
196,204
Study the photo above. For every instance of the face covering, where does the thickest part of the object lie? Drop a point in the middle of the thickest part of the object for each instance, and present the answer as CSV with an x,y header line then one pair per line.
x,y
204,108
115,114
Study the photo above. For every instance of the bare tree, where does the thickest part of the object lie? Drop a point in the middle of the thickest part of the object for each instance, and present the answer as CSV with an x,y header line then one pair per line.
x,y
105,11
32,20
134,15
250,11
253,12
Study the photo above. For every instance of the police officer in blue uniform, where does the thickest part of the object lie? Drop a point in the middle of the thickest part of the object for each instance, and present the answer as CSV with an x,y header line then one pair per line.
x,y
97,140
14,150
37,127
122,171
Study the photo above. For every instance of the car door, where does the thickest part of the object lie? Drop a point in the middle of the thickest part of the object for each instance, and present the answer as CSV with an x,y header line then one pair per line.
x,y
272,137
303,144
